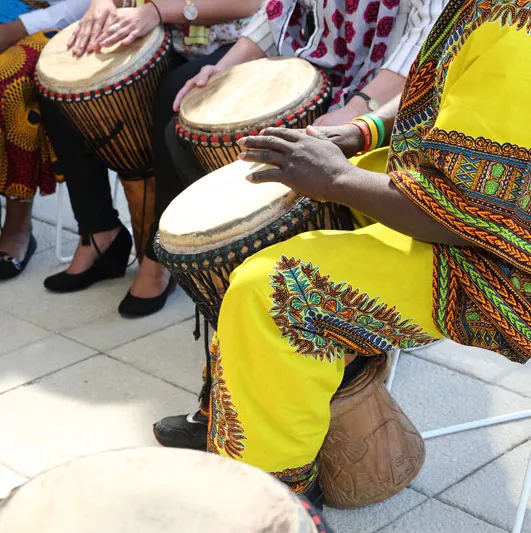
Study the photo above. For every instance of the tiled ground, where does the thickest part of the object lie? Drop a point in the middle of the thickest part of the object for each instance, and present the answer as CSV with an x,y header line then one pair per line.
x,y
75,378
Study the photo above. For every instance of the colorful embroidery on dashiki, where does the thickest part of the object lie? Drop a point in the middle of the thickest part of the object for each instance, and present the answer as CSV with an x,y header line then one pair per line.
x,y
477,187
27,158
299,479
325,319
228,440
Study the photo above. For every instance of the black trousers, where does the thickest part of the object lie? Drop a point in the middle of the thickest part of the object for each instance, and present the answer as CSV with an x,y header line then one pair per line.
x,y
87,176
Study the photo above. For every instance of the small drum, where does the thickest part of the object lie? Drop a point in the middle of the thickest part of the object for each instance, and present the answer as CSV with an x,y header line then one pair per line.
x,y
242,101
153,490
372,450
109,97
222,219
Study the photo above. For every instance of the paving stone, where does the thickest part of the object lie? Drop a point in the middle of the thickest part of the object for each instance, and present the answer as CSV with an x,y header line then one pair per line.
x,y
373,517
171,354
436,517
38,359
27,299
434,397
15,333
98,404
113,330
475,362
493,492
8,481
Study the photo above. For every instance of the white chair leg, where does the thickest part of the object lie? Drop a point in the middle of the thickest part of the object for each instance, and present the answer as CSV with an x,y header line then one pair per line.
x,y
476,424
59,226
395,355
524,498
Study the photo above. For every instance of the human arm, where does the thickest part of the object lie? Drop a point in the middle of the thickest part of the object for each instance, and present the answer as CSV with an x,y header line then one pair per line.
x,y
11,33
316,168
58,16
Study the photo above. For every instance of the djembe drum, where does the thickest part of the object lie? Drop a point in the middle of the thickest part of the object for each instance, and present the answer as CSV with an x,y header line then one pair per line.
x,y
282,92
153,490
108,97
222,219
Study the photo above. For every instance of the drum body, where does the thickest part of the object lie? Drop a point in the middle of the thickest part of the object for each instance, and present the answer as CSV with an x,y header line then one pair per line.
x,y
109,96
281,92
372,450
153,490
222,219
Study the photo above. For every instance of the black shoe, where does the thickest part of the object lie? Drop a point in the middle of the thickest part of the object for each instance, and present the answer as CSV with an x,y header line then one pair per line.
x,y
110,264
133,306
183,431
10,267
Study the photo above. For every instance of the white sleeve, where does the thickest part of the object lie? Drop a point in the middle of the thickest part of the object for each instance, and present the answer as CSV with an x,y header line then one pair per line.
x,y
419,21
259,32
57,16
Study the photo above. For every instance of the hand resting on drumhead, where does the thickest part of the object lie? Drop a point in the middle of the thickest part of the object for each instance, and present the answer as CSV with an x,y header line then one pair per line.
x,y
315,167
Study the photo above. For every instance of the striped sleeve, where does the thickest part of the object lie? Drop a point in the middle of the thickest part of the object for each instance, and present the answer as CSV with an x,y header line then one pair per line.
x,y
57,16
259,32
421,17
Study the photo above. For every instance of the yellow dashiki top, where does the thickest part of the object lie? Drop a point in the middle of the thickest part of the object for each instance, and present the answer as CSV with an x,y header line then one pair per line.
x,y
461,151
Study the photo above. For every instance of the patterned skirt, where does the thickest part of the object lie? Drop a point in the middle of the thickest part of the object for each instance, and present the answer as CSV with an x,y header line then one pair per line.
x,y
293,314
26,158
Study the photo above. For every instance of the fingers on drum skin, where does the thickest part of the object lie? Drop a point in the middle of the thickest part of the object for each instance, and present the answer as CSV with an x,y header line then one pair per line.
x,y
83,39
264,176
262,156
265,142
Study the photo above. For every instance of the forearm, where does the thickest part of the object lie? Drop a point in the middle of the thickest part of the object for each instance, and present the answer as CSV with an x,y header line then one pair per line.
x,y
244,50
209,13
388,114
375,195
11,33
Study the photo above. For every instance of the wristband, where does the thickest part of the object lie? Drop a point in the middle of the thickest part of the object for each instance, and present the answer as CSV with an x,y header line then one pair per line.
x,y
372,127
365,131
381,129
158,10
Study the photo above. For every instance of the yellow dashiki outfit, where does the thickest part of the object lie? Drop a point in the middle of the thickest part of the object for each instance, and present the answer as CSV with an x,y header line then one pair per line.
x,y
461,151
26,158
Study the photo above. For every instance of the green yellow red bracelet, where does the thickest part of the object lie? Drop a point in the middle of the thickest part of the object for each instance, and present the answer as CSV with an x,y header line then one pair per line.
x,y
381,128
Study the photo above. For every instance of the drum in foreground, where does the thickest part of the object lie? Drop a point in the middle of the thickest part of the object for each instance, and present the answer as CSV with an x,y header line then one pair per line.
x,y
153,490
282,92
372,450
109,96
222,219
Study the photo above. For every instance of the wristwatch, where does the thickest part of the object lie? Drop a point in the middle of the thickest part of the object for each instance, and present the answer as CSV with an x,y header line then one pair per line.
x,y
190,11
371,102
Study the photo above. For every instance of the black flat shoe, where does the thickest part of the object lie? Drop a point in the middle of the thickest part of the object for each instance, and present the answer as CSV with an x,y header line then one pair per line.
x,y
134,307
110,264
10,267
183,431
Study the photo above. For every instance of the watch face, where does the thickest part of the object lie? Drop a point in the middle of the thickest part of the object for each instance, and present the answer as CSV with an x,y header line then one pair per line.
x,y
373,104
190,12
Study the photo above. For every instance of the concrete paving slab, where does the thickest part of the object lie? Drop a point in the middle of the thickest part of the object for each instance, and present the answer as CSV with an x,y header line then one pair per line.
x,y
39,359
171,354
493,492
8,481
111,331
99,404
16,333
436,517
374,517
433,397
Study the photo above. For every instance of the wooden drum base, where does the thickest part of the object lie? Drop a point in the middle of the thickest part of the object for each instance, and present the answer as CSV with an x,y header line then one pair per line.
x,y
372,450
142,210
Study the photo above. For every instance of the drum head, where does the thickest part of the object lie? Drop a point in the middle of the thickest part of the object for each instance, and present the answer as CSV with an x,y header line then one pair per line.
x,y
249,94
153,490
221,208
59,71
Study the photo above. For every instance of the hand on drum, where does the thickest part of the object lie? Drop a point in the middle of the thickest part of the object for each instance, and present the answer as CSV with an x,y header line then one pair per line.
x,y
347,137
200,80
101,14
307,161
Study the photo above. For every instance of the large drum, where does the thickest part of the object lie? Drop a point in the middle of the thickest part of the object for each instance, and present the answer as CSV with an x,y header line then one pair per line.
x,y
222,219
108,97
153,490
287,92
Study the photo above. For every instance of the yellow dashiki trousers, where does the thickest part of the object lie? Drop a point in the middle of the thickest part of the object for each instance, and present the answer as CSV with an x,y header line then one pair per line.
x,y
291,316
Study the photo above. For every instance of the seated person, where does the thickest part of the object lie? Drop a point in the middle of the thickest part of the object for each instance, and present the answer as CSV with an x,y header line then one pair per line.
x,y
26,157
217,26
382,40
449,254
